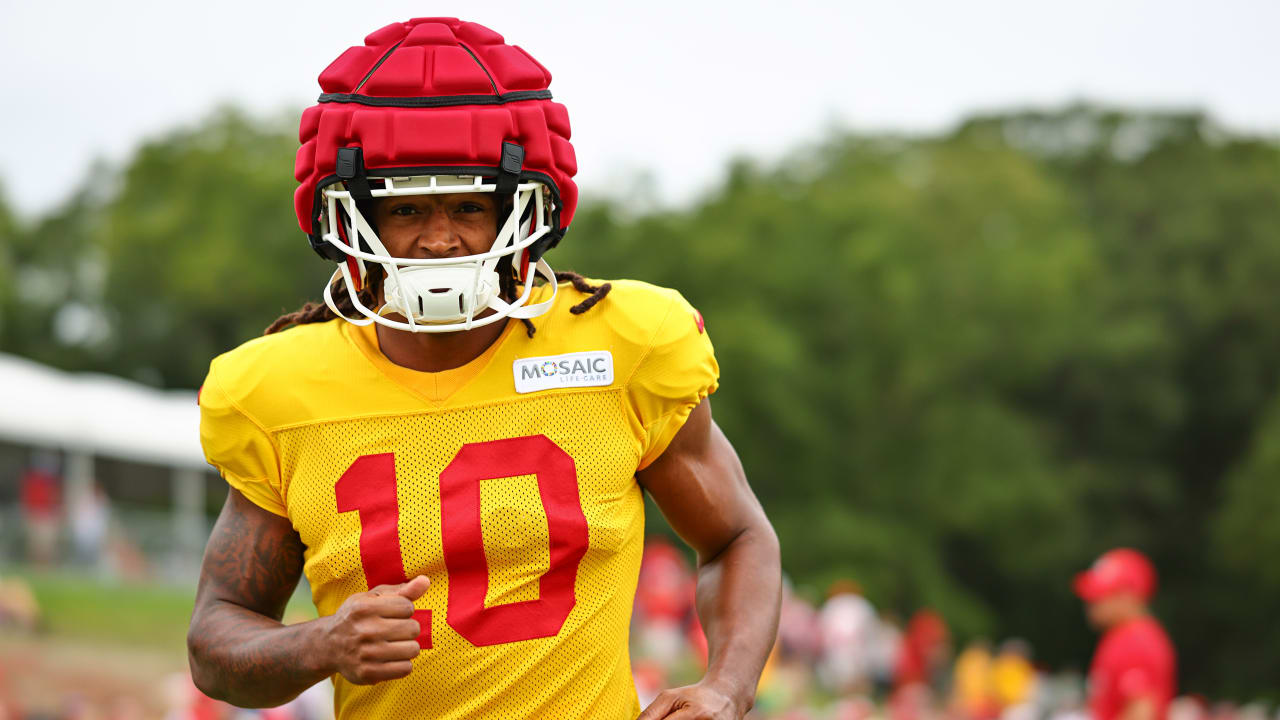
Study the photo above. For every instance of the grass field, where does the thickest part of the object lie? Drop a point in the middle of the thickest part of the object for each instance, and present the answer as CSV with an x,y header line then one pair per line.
x,y
112,613
100,640
147,616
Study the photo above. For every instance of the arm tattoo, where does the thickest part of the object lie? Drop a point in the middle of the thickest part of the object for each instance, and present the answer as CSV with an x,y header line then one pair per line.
x,y
238,649
255,566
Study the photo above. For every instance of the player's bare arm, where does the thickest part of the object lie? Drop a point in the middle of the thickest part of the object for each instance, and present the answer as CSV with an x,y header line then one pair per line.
x,y
238,648
702,490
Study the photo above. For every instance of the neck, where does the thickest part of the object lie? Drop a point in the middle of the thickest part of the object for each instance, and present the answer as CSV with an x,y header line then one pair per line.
x,y
1128,614
434,352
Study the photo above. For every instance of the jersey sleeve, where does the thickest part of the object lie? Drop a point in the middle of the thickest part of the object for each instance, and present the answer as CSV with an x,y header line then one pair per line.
x,y
676,373
238,447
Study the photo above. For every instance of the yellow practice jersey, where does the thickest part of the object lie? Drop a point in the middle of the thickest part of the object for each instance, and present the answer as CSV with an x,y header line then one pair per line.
x,y
509,481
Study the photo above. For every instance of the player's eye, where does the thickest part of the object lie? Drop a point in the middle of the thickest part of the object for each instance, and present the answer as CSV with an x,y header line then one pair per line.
x,y
470,207
404,210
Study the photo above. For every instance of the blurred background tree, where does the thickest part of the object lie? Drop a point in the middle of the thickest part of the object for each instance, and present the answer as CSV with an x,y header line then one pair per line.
x,y
957,367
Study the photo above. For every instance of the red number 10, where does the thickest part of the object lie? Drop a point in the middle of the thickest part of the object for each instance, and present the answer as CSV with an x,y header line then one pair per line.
x,y
369,488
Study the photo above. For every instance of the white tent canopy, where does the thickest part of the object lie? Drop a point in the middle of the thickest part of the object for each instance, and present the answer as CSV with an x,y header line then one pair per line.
x,y
89,415
98,415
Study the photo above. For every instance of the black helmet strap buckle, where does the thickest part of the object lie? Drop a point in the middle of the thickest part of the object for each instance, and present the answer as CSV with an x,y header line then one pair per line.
x,y
349,167
509,168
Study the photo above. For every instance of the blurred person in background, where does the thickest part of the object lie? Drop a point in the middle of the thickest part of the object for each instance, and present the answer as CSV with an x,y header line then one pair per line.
x,y
799,635
663,617
664,603
1133,674
972,682
846,625
1062,697
41,502
926,649
922,666
1013,679
1188,707
884,653
787,679
88,515
1013,676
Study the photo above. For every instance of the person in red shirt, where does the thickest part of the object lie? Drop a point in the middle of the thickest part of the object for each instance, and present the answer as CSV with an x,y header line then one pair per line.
x,y
42,512
924,649
1133,675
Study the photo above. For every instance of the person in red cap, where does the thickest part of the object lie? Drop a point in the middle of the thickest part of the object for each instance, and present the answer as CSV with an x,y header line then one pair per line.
x,y
1133,672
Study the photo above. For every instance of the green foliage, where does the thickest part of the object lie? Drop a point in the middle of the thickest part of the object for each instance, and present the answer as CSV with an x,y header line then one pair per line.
x,y
187,251
201,246
51,272
957,368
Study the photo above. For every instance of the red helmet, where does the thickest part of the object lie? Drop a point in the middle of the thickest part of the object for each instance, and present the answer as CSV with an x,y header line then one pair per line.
x,y
1118,570
425,106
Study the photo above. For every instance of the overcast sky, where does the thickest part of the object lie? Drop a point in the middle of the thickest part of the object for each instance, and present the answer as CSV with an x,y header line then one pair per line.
x,y
672,89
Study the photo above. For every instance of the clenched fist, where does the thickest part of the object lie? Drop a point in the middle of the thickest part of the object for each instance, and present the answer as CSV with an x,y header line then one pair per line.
x,y
373,635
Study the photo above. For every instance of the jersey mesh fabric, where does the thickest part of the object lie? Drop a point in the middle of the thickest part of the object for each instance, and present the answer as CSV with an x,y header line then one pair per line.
x,y
308,422
581,672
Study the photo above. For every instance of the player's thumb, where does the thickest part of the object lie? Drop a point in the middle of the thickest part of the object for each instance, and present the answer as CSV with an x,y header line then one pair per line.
x,y
414,588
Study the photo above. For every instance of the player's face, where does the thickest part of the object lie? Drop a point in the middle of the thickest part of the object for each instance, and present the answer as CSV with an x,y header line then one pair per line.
x,y
437,226
1111,610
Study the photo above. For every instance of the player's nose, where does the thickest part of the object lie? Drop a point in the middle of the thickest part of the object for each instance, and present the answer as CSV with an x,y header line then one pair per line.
x,y
438,237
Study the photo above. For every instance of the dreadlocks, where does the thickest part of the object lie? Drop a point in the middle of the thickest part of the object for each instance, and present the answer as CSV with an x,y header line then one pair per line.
x,y
320,312
594,293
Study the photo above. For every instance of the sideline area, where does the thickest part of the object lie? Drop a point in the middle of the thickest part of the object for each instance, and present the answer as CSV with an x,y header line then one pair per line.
x,y
102,643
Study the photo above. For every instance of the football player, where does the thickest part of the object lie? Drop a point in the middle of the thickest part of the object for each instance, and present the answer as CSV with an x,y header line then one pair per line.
x,y
453,447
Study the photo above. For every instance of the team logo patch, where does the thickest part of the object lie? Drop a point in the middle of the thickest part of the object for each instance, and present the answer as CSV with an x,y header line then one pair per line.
x,y
582,369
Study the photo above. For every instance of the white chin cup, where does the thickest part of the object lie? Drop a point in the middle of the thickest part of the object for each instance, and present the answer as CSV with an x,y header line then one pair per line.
x,y
439,294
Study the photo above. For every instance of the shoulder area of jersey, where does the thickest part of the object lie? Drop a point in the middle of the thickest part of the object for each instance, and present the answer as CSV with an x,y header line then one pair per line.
x,y
633,311
632,314
286,354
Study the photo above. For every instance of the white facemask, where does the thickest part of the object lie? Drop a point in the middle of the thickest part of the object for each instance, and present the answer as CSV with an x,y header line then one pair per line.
x,y
439,294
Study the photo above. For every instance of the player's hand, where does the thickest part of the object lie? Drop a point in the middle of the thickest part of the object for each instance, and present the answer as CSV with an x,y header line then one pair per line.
x,y
373,636
693,702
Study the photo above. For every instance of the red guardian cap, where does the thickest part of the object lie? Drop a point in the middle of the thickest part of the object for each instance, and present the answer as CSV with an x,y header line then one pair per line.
x,y
435,93
433,106
1119,570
